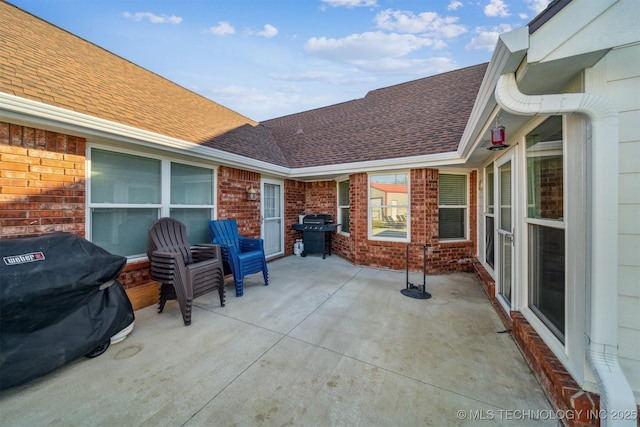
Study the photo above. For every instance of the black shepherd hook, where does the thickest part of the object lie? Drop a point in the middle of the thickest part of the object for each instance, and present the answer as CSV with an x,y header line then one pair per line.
x,y
419,292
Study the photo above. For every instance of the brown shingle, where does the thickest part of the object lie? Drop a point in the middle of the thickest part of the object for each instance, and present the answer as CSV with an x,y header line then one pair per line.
x,y
46,64
42,62
425,116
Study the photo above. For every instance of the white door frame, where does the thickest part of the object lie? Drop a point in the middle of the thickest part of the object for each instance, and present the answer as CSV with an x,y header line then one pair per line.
x,y
280,218
506,305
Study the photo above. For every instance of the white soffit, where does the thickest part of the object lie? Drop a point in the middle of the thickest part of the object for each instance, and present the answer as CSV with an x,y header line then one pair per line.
x,y
584,27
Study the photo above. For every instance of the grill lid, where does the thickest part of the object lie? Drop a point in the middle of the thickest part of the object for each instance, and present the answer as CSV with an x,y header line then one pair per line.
x,y
318,219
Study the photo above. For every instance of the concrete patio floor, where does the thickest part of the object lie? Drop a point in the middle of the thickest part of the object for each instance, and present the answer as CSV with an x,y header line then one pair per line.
x,y
327,343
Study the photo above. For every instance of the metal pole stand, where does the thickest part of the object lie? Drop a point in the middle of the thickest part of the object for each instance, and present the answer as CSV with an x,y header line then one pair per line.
x,y
411,290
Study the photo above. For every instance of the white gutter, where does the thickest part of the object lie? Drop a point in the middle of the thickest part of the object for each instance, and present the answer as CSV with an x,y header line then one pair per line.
x,y
510,49
21,110
616,396
415,162
14,108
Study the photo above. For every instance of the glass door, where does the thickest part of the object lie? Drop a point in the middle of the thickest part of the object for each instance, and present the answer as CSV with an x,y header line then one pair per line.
x,y
504,230
271,215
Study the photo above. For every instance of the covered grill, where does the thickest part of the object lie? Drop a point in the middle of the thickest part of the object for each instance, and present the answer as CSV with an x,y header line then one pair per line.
x,y
316,233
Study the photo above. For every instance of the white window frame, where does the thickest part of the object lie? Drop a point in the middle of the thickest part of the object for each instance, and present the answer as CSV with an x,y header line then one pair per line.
x,y
370,235
465,207
571,352
340,220
483,214
164,207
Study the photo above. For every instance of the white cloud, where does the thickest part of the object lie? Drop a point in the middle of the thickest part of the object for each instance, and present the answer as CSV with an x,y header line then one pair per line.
x,y
260,105
223,28
153,18
496,8
454,5
486,38
414,67
538,6
268,32
350,3
429,23
367,46
307,76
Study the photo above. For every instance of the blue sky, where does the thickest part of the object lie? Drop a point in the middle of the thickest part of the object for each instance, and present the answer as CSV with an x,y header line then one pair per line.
x,y
270,58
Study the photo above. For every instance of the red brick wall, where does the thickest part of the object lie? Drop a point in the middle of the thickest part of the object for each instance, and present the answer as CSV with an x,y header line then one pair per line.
x,y
321,197
561,389
294,205
135,274
550,185
42,189
42,186
233,203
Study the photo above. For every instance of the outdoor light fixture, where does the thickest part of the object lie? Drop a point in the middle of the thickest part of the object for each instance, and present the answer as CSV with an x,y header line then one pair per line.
x,y
497,138
252,193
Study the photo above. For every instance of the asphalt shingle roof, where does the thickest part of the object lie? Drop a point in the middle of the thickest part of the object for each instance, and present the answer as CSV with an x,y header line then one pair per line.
x,y
425,116
44,63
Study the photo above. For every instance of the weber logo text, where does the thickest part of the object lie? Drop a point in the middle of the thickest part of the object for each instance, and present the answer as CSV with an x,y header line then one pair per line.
x,y
24,258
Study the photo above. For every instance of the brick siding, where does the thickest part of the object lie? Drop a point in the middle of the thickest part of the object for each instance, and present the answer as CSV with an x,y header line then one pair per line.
x,y
42,182
558,385
442,257
42,188
232,199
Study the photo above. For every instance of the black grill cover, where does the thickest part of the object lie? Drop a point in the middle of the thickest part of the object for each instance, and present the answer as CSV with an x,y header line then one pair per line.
x,y
52,307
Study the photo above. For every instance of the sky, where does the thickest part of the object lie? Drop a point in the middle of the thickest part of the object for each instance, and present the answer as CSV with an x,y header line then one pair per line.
x,y
270,58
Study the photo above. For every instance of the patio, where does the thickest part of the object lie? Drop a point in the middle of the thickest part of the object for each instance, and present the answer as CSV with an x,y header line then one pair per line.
x,y
326,343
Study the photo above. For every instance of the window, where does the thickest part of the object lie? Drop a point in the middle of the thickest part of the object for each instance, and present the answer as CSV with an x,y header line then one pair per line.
x,y
489,218
545,224
389,206
343,205
452,207
127,194
192,199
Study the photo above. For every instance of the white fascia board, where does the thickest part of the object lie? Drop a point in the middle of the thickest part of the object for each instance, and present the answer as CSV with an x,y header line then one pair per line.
x,y
21,110
416,162
508,54
25,111
586,26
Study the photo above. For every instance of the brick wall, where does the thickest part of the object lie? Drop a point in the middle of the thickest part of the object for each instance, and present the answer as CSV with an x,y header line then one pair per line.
x,y
558,385
549,183
442,257
294,205
42,182
42,188
233,203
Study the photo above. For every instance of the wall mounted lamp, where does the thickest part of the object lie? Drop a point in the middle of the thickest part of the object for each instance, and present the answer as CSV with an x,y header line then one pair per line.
x,y
252,193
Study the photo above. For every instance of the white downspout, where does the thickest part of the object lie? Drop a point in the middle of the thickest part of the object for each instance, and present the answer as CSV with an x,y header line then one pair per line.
x,y
616,396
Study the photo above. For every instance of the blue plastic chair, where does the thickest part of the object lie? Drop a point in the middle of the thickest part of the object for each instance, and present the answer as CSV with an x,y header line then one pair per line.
x,y
242,255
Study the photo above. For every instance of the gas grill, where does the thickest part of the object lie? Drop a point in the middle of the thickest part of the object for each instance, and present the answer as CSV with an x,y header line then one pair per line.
x,y
316,233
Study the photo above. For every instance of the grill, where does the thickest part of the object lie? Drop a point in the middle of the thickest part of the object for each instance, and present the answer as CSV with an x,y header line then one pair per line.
x,y
316,233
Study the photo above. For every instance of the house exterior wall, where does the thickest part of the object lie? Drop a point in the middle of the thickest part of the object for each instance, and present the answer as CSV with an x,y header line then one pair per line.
x,y
42,182
442,257
232,200
294,201
42,188
617,77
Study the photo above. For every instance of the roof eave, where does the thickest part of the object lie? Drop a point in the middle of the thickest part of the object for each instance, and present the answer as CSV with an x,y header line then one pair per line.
x,y
32,113
508,54
401,163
